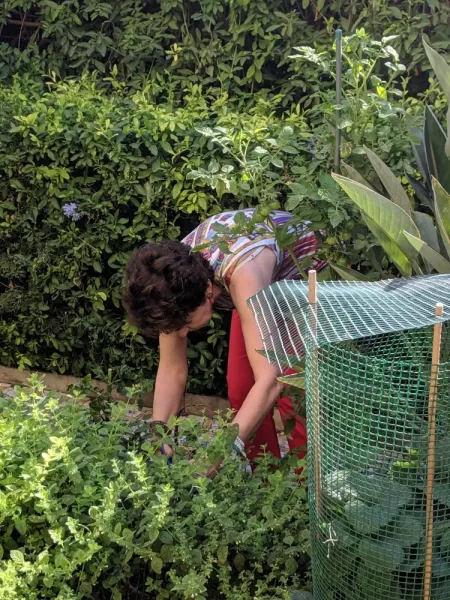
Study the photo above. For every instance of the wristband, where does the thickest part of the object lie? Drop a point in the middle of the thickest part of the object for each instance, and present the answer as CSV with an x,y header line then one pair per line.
x,y
239,446
153,425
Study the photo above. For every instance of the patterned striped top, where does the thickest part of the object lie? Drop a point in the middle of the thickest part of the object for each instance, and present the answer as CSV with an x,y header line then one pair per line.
x,y
244,247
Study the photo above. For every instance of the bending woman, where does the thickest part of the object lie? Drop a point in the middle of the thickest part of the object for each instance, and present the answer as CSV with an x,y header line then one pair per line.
x,y
171,290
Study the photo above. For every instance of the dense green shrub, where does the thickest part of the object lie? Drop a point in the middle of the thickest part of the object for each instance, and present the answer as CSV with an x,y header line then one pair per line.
x,y
87,176
230,46
88,511
195,107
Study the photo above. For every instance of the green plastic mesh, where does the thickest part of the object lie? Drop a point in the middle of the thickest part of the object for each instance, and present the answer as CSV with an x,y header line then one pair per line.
x,y
369,440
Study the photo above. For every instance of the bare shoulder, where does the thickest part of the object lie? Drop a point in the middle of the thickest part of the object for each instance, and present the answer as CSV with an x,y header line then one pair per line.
x,y
253,276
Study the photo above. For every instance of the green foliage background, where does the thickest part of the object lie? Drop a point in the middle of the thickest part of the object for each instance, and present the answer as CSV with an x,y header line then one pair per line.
x,y
105,104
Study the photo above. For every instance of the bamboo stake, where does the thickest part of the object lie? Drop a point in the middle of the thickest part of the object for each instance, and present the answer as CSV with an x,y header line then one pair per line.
x,y
315,398
337,151
431,462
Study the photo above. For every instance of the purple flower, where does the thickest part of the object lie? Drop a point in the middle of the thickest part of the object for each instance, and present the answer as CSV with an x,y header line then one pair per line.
x,y
71,211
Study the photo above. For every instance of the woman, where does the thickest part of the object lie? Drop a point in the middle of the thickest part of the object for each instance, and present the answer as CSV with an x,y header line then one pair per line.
x,y
171,290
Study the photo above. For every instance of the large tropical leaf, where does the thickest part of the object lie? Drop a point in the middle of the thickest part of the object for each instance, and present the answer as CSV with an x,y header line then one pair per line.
x,y
349,274
392,250
435,140
436,260
392,219
440,67
418,148
355,175
442,70
442,213
392,185
427,229
422,192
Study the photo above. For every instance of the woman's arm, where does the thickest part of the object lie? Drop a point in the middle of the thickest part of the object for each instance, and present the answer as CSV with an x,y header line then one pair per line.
x,y
247,281
171,377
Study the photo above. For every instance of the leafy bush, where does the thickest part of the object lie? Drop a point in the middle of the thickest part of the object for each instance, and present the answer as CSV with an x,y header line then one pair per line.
x,y
89,511
414,240
234,47
86,177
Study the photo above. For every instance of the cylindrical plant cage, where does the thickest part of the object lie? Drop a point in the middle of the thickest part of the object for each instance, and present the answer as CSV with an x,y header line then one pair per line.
x,y
377,361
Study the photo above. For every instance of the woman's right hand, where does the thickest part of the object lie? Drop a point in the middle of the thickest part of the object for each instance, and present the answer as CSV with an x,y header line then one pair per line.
x,y
166,450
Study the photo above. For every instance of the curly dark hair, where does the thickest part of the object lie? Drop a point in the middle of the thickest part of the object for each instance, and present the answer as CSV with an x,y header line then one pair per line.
x,y
164,282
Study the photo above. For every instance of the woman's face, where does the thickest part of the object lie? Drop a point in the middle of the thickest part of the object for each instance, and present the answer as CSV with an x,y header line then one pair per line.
x,y
203,314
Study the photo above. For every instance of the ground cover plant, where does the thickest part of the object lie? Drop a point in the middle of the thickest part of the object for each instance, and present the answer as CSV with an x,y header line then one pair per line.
x,y
89,511
128,122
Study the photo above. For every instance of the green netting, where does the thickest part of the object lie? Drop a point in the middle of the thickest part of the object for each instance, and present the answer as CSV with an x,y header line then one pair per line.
x,y
369,441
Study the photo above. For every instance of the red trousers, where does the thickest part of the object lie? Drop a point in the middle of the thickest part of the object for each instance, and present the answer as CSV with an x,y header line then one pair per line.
x,y
240,380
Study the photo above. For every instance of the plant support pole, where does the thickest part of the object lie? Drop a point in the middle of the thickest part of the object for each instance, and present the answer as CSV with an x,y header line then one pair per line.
x,y
337,152
314,390
431,461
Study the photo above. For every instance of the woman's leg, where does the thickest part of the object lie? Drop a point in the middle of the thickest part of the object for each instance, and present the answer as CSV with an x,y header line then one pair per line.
x,y
240,381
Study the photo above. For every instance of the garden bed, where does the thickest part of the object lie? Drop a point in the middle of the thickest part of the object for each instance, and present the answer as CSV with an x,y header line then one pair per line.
x,y
90,511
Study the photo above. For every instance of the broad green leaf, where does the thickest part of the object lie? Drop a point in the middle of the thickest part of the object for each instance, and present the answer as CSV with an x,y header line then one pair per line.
x,y
421,192
381,554
222,554
371,585
392,185
157,564
392,250
435,140
436,260
392,219
442,212
349,274
376,489
369,519
355,175
418,148
406,530
297,380
337,486
440,67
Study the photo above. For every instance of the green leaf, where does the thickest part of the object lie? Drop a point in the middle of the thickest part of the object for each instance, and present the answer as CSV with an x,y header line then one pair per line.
x,y
442,212
376,489
176,190
406,530
392,185
297,380
157,564
381,554
355,175
392,219
222,554
427,229
435,140
239,561
166,537
289,150
392,250
349,274
436,260
369,519
20,525
440,67
277,163
17,556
